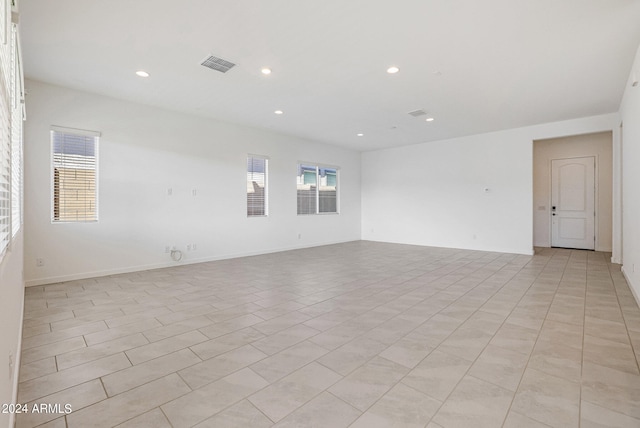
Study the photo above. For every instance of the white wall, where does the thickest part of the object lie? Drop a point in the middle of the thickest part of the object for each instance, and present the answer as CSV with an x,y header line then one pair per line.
x,y
433,193
143,152
630,114
598,145
11,304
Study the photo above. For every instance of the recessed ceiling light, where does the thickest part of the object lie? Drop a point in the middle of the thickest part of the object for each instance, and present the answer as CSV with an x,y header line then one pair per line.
x,y
360,135
278,112
265,70
142,73
393,70
429,119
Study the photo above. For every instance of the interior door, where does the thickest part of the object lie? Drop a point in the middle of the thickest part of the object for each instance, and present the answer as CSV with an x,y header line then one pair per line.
x,y
573,203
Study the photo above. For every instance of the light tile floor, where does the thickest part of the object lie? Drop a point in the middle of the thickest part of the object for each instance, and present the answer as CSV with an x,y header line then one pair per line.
x,y
360,334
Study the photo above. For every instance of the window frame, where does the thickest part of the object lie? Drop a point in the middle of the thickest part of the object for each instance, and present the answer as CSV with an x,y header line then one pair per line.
x,y
318,167
82,133
266,184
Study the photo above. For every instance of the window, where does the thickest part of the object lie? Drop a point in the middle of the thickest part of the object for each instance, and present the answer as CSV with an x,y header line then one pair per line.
x,y
74,155
317,189
5,169
257,186
17,118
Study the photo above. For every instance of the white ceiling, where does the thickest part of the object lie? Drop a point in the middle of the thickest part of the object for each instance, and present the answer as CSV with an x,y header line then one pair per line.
x,y
476,66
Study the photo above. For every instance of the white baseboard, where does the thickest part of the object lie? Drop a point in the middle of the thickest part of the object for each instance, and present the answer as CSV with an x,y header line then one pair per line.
x,y
632,286
139,268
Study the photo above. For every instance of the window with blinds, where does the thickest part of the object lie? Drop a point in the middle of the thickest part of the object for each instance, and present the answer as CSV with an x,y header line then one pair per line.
x,y
74,168
317,189
17,118
257,167
5,167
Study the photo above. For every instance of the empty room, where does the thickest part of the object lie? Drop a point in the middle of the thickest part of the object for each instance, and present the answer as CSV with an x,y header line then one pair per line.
x,y
333,214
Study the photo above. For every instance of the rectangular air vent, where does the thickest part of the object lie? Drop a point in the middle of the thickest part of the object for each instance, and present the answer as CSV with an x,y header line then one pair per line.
x,y
218,64
417,113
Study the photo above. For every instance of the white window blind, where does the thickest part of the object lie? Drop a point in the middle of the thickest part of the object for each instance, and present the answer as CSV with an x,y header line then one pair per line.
x,y
5,166
257,167
17,117
74,168
317,189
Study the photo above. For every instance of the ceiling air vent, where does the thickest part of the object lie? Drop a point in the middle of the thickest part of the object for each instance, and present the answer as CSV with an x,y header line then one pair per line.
x,y
218,64
417,113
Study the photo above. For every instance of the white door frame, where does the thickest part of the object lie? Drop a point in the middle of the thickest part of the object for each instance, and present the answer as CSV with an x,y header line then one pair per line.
x,y
595,197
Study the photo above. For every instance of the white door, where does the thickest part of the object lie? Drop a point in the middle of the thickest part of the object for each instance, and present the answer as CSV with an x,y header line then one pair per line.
x,y
572,203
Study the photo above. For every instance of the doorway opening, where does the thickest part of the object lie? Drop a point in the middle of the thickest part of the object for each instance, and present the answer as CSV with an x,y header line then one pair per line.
x,y
572,192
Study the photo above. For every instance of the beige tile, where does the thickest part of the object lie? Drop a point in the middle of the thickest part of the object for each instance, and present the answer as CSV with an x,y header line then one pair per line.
x,y
37,368
286,395
352,355
516,420
465,343
57,336
559,333
606,329
51,349
594,416
177,328
56,423
215,368
437,329
231,325
548,399
154,418
242,414
280,323
115,333
437,375
516,338
201,404
75,398
122,407
129,378
499,366
285,338
165,346
609,353
101,350
367,384
46,385
36,330
368,301
281,364
612,389
475,402
325,410
401,406
226,343
408,351
557,360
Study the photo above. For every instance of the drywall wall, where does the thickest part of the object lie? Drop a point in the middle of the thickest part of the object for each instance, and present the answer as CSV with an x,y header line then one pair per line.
x,y
143,152
472,192
11,310
630,114
598,145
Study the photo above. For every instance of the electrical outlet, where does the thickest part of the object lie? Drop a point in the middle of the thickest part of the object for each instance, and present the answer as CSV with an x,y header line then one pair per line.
x,y
194,192
193,247
169,191
39,262
188,247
